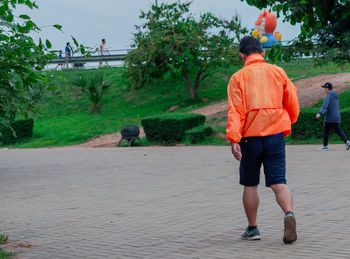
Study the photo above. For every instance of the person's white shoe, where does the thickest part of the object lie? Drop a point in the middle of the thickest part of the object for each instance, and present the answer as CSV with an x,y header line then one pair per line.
x,y
347,145
324,148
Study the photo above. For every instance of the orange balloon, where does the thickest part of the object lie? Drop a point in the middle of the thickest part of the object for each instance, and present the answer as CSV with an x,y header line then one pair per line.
x,y
270,22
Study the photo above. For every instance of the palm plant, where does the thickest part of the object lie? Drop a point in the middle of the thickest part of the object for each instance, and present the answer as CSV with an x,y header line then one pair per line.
x,y
94,84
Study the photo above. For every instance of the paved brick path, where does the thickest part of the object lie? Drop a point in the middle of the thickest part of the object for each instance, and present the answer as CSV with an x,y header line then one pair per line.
x,y
172,202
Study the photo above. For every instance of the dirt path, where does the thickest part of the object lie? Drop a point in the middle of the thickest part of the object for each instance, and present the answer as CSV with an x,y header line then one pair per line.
x,y
309,92
108,140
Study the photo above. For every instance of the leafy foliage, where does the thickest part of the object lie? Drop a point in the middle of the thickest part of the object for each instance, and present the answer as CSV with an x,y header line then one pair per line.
x,y
94,85
22,82
21,60
3,238
173,43
21,128
324,26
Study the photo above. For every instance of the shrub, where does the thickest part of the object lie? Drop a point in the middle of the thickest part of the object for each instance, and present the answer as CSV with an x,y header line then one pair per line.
x,y
94,84
22,128
308,126
3,238
171,127
345,121
198,133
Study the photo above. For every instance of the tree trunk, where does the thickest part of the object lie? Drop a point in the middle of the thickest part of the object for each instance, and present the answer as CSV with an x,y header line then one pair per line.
x,y
194,89
193,94
198,79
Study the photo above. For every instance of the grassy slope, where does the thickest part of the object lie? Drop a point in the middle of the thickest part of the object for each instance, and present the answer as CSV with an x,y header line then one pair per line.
x,y
65,118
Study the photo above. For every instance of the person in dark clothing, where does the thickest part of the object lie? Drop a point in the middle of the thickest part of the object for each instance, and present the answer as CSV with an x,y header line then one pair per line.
x,y
330,108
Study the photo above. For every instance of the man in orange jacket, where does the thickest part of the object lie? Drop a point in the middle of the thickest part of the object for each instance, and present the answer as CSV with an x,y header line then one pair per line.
x,y
263,104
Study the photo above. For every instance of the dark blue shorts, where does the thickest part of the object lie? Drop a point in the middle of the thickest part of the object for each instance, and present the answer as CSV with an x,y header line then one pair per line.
x,y
268,151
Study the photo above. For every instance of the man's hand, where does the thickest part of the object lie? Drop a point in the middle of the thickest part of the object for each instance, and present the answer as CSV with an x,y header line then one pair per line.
x,y
318,116
236,151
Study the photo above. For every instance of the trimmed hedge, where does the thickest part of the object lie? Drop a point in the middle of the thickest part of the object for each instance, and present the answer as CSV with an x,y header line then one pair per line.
x,y
308,126
170,127
198,133
23,129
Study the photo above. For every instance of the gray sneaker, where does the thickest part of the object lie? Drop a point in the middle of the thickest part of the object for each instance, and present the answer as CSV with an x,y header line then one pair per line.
x,y
253,234
347,145
290,228
324,148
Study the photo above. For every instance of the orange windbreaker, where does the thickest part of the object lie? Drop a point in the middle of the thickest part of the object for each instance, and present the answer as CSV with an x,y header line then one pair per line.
x,y
262,101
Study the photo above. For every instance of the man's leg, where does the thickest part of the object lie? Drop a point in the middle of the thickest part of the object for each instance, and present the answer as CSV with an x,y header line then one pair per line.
x,y
251,203
249,171
284,197
326,133
275,175
339,131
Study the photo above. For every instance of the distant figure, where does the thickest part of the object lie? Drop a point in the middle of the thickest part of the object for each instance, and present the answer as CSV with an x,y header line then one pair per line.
x,y
60,64
68,51
104,51
330,108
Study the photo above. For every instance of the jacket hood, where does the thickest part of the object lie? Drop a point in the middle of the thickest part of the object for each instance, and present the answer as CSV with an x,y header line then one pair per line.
x,y
333,94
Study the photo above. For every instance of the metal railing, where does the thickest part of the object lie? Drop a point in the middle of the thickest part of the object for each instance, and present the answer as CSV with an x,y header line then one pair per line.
x,y
99,58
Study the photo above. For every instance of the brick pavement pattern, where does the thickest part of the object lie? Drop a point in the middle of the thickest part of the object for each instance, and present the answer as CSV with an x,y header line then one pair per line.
x,y
167,202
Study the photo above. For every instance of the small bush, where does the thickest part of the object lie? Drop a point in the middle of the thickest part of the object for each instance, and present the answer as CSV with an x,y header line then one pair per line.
x,y
345,121
308,126
94,84
3,238
198,133
171,127
22,128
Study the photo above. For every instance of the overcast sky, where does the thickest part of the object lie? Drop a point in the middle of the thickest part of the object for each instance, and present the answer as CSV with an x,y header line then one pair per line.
x,y
91,20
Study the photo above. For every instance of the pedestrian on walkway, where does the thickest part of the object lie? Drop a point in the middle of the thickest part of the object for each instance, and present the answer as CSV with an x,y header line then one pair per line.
x,y
263,103
330,108
68,52
104,51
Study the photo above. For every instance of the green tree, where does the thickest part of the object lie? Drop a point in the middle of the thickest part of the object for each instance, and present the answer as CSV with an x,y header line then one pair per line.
x,y
324,24
22,82
172,42
21,60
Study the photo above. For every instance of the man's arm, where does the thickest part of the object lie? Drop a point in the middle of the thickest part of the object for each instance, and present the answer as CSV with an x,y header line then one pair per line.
x,y
236,151
324,106
235,117
290,100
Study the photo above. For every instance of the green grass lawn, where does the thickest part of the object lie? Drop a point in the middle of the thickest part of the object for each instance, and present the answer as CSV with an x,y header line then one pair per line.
x,y
305,68
65,117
